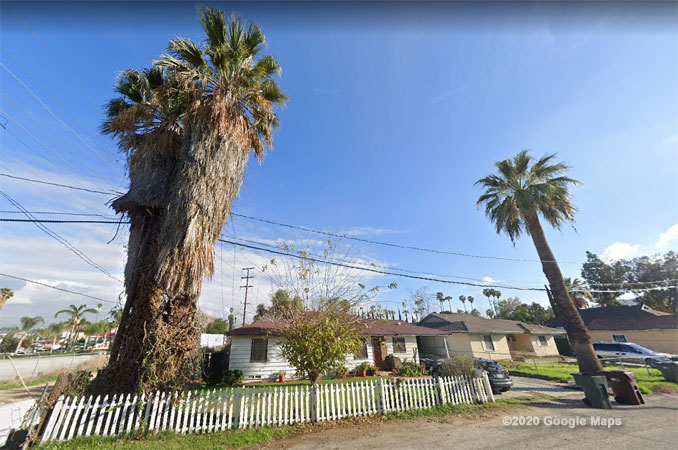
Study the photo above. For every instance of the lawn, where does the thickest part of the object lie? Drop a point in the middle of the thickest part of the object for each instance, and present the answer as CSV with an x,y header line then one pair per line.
x,y
264,435
41,380
649,380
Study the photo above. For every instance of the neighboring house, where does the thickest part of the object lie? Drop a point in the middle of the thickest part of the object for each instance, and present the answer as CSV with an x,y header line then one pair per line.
x,y
486,338
638,324
212,341
256,348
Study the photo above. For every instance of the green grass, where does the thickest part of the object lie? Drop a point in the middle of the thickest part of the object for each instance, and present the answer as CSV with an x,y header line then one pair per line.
x,y
561,372
241,438
36,381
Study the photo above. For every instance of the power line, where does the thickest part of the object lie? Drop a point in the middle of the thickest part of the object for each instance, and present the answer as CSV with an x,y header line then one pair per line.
x,y
57,213
340,262
390,244
54,287
59,238
93,191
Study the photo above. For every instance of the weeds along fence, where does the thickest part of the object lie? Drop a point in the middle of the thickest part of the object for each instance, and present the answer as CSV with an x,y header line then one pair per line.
x,y
254,406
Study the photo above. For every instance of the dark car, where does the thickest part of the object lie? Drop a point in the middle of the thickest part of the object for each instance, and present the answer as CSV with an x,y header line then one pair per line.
x,y
498,376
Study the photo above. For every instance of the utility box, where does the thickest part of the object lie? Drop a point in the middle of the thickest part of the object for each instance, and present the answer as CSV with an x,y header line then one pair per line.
x,y
595,388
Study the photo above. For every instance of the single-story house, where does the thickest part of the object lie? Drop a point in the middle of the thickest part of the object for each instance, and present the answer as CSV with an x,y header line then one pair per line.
x,y
479,337
256,348
639,324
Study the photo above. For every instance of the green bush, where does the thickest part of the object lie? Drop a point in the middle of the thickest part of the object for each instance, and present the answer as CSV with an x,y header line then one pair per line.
x,y
410,369
456,366
8,344
229,378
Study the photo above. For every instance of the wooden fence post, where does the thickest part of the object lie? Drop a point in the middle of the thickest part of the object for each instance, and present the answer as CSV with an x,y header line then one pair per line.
x,y
488,387
314,402
441,390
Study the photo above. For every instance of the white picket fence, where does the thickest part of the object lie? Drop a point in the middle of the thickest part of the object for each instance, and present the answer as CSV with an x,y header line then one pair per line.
x,y
254,406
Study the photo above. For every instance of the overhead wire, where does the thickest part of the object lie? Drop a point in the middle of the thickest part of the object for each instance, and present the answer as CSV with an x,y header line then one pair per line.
x,y
55,287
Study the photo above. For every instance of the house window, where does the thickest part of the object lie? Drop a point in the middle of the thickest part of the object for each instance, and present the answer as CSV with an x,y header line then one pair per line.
x,y
619,338
259,352
543,342
362,353
399,345
488,343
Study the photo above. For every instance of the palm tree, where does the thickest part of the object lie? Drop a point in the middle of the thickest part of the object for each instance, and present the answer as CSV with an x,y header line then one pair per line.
x,y
462,299
188,126
27,323
470,301
579,292
441,298
5,294
522,190
75,314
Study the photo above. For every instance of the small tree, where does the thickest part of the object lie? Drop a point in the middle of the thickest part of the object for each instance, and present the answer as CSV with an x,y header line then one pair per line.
x,y
217,326
317,342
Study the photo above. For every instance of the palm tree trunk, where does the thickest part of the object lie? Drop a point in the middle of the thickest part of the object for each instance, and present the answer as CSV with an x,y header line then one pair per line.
x,y
565,309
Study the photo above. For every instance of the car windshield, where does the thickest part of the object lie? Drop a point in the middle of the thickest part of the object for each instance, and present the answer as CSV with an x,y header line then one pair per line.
x,y
490,365
641,349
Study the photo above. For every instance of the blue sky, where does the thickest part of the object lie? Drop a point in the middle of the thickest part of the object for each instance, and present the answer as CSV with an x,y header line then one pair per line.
x,y
395,110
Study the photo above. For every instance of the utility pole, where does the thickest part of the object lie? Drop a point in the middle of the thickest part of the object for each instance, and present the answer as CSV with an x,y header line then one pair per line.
x,y
247,286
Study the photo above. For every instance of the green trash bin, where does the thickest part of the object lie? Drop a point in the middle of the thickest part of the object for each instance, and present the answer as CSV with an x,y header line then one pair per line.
x,y
668,368
595,388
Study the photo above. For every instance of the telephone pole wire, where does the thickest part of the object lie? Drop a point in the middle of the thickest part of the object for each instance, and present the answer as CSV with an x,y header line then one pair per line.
x,y
247,286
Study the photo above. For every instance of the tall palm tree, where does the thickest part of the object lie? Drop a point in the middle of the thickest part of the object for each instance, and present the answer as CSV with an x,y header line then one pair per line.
x,y
27,324
75,314
188,126
462,299
522,190
470,301
579,292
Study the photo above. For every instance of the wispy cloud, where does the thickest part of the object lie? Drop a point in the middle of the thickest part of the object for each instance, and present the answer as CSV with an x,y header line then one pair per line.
x,y
669,140
447,94
369,231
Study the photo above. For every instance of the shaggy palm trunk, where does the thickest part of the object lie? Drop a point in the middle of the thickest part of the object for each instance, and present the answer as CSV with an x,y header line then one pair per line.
x,y
564,306
147,353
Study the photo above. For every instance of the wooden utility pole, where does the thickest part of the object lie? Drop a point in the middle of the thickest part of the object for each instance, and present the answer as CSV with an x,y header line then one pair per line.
x,y
247,286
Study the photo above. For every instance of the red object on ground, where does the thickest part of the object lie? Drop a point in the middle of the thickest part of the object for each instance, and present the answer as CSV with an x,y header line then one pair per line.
x,y
624,386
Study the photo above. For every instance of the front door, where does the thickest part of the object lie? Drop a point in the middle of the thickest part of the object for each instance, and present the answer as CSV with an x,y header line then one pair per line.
x,y
379,351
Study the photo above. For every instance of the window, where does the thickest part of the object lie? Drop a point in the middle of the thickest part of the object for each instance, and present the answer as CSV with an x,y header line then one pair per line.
x,y
619,338
488,343
362,353
399,345
543,341
259,351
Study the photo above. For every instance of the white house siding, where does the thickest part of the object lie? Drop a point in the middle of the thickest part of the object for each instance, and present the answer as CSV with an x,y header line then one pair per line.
x,y
241,348
411,352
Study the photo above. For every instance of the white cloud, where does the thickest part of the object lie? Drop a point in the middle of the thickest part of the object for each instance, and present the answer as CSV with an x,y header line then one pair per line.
x,y
363,231
619,250
668,240
489,280
669,140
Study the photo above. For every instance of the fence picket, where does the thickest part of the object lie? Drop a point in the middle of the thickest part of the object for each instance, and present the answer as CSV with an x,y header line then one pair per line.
x,y
53,418
116,416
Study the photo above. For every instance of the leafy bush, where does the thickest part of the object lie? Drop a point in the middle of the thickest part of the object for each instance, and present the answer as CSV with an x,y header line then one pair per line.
x,y
456,366
410,369
367,367
229,378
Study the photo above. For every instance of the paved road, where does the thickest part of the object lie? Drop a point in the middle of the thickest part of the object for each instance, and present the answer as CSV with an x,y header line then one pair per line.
x,y
653,425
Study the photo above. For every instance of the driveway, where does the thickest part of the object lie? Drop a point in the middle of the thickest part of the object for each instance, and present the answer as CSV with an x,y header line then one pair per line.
x,y
562,423
523,386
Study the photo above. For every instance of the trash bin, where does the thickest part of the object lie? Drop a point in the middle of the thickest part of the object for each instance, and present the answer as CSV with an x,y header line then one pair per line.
x,y
624,386
595,389
668,368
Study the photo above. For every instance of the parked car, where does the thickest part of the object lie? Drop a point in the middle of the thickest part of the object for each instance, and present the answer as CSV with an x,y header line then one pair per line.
x,y
499,377
628,351
431,362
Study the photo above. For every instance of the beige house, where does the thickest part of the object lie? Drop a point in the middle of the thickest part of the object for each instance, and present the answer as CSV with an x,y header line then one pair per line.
x,y
479,337
256,348
641,325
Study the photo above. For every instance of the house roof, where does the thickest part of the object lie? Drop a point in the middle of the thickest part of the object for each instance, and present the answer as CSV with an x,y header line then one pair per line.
x,y
369,327
638,317
466,323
